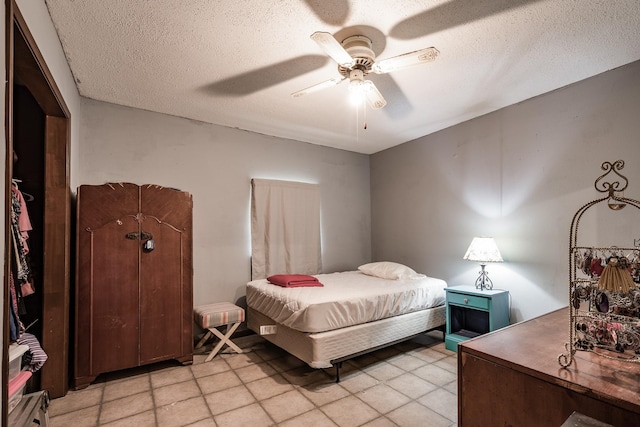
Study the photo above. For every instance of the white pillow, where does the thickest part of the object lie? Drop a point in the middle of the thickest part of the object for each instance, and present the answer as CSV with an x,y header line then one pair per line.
x,y
389,270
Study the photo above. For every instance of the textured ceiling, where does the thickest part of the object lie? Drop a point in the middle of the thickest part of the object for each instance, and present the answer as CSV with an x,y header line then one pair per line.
x,y
235,63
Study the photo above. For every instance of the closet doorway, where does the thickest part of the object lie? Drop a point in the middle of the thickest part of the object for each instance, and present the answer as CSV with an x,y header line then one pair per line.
x,y
38,132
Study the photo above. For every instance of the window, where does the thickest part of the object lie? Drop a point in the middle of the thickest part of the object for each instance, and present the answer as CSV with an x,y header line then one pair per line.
x,y
285,228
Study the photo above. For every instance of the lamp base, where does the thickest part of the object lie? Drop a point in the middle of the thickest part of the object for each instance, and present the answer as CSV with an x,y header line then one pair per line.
x,y
483,282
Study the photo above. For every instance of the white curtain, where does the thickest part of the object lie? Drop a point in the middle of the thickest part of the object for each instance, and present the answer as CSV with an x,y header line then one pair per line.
x,y
285,228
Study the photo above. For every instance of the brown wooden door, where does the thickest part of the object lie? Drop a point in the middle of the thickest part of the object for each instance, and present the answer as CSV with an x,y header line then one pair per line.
x,y
107,297
165,298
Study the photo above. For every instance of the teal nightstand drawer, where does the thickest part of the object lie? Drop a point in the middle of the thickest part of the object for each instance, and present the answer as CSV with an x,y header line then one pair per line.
x,y
472,312
468,300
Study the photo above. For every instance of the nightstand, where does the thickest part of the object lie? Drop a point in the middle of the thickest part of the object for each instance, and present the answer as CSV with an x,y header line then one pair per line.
x,y
472,312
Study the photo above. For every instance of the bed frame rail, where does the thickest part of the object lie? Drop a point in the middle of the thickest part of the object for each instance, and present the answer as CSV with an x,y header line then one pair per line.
x,y
338,362
324,350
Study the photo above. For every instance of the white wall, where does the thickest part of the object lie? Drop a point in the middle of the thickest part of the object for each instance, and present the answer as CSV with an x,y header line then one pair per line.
x,y
215,164
519,175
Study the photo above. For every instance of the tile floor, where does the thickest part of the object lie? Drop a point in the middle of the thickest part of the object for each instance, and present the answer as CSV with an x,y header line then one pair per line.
x,y
409,384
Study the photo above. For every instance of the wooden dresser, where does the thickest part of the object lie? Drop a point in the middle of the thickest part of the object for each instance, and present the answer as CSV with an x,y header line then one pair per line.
x,y
511,377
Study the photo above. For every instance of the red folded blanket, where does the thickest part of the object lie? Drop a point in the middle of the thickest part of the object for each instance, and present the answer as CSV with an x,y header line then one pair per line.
x,y
293,280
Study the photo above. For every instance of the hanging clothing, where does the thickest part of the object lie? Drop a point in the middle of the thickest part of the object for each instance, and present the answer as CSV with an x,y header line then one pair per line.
x,y
24,222
20,276
20,227
15,326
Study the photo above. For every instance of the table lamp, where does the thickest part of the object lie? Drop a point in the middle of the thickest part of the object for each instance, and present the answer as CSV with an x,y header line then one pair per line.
x,y
483,250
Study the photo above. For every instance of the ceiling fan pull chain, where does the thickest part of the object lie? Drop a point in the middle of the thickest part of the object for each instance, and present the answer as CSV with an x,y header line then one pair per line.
x,y
364,112
357,124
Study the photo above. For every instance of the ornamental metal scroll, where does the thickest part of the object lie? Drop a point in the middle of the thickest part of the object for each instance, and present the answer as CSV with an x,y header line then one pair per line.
x,y
604,284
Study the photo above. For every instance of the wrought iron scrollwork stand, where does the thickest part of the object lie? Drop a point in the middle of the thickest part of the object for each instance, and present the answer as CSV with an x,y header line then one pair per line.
x,y
604,320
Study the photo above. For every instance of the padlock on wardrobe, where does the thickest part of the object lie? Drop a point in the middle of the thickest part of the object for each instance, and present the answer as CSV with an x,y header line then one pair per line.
x,y
149,245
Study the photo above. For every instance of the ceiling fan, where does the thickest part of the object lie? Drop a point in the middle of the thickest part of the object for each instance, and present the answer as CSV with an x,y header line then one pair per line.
x,y
356,59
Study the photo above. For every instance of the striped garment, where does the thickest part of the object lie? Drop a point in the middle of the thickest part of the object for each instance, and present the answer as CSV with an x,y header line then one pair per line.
x,y
35,357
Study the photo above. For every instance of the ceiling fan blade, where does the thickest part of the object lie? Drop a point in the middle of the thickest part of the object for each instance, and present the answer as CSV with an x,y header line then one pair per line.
x,y
405,60
333,48
374,97
318,87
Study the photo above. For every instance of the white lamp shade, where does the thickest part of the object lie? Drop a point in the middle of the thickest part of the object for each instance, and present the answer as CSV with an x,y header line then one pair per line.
x,y
483,249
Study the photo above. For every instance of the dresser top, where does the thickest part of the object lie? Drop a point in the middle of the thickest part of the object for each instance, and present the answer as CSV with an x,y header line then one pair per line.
x,y
532,347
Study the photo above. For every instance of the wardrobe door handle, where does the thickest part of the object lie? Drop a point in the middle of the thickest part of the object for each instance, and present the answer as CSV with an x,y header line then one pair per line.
x,y
142,236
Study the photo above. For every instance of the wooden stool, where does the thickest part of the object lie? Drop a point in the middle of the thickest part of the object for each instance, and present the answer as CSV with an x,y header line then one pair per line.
x,y
218,314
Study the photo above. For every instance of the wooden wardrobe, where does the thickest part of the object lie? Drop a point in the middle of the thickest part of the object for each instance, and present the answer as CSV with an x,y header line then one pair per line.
x,y
134,297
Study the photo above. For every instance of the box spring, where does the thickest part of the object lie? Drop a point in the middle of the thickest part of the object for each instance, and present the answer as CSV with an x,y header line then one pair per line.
x,y
323,349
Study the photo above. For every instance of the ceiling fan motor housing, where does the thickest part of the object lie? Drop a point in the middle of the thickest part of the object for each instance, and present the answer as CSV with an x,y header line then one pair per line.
x,y
359,47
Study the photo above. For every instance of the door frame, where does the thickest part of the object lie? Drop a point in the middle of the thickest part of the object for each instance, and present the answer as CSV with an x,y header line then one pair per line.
x,y
27,62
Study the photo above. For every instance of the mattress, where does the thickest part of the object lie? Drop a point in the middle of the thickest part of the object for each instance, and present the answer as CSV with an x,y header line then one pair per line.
x,y
346,299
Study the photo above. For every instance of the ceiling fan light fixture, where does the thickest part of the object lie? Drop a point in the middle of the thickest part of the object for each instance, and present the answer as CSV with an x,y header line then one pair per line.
x,y
356,86
357,92
375,98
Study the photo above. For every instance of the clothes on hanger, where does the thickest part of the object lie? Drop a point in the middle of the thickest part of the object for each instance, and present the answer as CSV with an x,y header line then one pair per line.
x,y
20,228
20,277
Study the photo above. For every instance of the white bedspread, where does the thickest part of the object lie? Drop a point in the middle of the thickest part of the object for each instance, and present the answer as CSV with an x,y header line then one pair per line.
x,y
347,299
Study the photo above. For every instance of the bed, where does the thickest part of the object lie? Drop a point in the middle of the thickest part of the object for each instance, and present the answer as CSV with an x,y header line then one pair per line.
x,y
353,313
